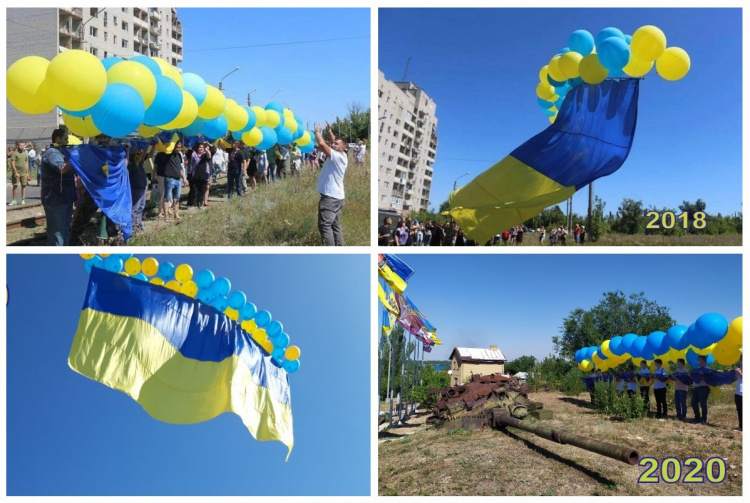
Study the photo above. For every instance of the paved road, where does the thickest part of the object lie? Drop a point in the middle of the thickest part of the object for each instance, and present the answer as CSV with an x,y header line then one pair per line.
x,y
33,193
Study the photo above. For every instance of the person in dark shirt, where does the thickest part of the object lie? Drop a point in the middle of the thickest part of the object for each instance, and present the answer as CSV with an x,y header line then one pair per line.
x,y
58,190
437,235
519,235
173,179
384,232
200,172
138,185
234,170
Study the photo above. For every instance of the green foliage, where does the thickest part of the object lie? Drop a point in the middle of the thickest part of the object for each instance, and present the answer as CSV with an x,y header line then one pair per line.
x,y
356,126
549,373
571,383
615,314
396,343
431,378
607,400
521,364
599,223
631,218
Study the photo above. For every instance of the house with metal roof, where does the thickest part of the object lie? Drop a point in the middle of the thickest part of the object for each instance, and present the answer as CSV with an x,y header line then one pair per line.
x,y
466,362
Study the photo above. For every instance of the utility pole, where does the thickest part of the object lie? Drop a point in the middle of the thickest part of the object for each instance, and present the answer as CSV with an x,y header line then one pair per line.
x,y
589,218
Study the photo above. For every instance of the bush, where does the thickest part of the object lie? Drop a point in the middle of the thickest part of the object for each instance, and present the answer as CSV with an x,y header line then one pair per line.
x,y
431,378
571,383
607,400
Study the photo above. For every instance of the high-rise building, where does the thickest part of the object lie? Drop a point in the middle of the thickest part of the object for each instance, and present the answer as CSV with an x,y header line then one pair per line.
x,y
104,32
407,145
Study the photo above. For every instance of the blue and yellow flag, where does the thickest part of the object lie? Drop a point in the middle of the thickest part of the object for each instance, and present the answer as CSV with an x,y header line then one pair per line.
x,y
590,138
182,361
394,271
104,173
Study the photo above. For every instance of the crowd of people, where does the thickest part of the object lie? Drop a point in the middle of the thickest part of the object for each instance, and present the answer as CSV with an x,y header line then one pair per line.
x,y
699,397
167,172
408,232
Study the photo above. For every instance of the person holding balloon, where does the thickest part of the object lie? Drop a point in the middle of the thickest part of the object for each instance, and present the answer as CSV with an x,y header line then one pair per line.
x,y
700,394
660,389
645,388
331,187
172,164
58,190
234,170
680,391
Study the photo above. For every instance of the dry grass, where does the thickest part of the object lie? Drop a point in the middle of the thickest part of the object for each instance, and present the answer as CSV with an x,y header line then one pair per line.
x,y
486,462
532,239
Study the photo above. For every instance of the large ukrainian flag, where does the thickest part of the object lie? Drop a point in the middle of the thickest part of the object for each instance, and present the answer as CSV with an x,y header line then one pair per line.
x,y
183,361
590,138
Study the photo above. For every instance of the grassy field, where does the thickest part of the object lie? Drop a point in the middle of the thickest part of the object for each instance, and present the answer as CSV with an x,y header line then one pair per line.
x,y
514,462
280,214
644,240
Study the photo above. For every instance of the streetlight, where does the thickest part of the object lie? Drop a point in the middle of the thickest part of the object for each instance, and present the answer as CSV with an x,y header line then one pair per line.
x,y
227,75
457,179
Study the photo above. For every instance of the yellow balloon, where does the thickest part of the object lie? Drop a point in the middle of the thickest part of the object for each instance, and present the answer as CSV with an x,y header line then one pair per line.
x,y
150,266
213,105
596,359
136,75
605,349
156,281
568,64
25,85
82,126
183,273
148,131
187,115
554,71
132,266
273,118
189,288
734,333
637,361
248,326
175,75
267,346
727,355
587,366
552,119
259,335
260,116
637,67
75,80
236,116
253,137
673,64
580,366
292,353
288,114
232,314
545,91
173,285
291,124
543,78
123,273
592,72
704,351
88,255
648,43
304,139
104,254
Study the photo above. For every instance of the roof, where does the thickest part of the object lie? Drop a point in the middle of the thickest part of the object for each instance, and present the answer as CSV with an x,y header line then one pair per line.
x,y
521,375
478,355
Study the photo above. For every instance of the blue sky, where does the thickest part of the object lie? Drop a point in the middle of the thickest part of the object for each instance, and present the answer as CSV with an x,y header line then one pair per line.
x,y
519,301
481,67
317,80
69,435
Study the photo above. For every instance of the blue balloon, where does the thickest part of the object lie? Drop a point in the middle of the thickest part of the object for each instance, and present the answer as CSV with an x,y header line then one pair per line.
x,y
269,138
278,354
654,342
627,343
124,256
607,33
204,278
205,295
252,120
221,286
563,51
276,362
542,103
575,82
140,276
79,113
248,311
148,63
262,319
577,356
306,149
291,366
195,128
237,300
167,103
548,113
95,261
283,135
559,102
237,135
220,302
581,41
215,128
628,38
674,337
590,352
638,349
195,85
166,271
552,82
615,346
113,263
614,53
274,329
111,61
615,73
692,358
601,353
281,341
274,105
119,111
712,327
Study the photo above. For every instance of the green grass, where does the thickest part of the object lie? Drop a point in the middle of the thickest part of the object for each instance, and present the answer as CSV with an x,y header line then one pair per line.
x,y
532,239
280,214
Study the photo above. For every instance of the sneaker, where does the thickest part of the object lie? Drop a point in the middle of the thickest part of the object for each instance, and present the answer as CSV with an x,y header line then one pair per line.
x,y
23,202
13,203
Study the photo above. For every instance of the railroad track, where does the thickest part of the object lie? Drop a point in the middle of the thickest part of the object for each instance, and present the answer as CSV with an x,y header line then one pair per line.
x,y
29,222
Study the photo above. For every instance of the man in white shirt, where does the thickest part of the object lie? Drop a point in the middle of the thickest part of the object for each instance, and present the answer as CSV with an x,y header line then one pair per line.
x,y
331,187
660,389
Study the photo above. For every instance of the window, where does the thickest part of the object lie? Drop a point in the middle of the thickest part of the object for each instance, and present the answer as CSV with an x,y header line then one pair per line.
x,y
393,145
92,31
398,121
380,94
382,124
388,171
124,44
105,54
125,10
93,11
114,20
125,26
114,39
390,158
105,36
94,51
382,199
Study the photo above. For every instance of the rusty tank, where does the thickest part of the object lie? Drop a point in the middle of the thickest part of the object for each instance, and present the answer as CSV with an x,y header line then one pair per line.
x,y
499,401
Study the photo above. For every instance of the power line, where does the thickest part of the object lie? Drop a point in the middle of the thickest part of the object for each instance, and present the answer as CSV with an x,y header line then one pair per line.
x,y
276,43
465,160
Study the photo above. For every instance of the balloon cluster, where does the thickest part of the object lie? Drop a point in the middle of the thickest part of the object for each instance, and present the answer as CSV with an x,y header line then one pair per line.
x,y
116,97
203,286
611,54
711,336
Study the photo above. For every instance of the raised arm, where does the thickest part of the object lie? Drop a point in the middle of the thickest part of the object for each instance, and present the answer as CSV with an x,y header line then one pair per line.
x,y
321,142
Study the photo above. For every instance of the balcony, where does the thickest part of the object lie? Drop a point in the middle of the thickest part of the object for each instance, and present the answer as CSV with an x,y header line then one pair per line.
x,y
155,28
154,13
74,11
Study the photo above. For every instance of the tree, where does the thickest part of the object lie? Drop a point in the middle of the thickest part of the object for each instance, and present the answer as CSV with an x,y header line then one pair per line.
x,y
615,315
396,341
431,378
599,223
356,126
521,364
631,218
691,209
